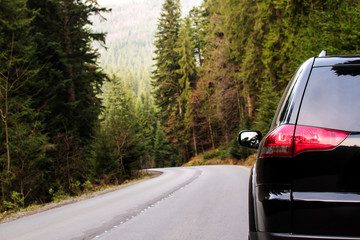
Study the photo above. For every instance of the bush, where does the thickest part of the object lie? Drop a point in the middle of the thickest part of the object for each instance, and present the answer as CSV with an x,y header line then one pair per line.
x,y
75,187
17,203
87,187
216,154
59,195
223,155
211,155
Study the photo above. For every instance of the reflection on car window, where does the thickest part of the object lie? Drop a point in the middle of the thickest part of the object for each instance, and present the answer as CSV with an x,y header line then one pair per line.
x,y
332,98
289,96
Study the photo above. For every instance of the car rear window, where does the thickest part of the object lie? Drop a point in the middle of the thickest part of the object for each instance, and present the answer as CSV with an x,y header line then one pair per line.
x,y
332,98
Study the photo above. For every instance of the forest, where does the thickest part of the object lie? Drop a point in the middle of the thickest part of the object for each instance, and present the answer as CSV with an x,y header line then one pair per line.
x,y
68,125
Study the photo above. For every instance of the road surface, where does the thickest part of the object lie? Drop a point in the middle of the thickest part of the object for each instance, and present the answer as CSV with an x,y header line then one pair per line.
x,y
192,203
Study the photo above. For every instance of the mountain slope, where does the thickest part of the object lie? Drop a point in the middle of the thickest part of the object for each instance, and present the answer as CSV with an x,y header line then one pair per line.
x,y
130,28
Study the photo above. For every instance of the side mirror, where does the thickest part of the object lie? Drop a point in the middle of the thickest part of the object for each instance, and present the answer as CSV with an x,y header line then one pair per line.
x,y
250,139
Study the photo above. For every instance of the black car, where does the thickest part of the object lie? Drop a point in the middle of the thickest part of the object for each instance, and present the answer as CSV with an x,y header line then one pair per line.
x,y
306,180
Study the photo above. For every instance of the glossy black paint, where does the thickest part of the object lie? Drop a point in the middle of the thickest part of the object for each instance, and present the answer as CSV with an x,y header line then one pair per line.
x,y
326,196
314,195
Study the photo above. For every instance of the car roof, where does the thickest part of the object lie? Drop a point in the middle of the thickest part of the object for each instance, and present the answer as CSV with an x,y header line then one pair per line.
x,y
326,61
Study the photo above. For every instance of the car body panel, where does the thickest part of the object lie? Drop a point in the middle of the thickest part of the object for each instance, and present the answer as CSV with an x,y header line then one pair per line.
x,y
326,191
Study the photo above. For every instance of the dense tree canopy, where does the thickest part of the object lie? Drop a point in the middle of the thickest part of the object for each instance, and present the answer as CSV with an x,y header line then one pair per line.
x,y
49,105
246,52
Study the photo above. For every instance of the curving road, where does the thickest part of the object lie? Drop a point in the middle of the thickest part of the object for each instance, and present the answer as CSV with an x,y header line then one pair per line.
x,y
207,202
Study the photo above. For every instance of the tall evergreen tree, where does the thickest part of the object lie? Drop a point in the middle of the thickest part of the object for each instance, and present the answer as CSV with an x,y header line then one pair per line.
x,y
146,119
165,76
120,134
22,142
198,23
187,77
162,150
68,82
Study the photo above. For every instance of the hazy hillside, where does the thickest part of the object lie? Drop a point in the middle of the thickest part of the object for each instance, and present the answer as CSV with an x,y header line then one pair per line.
x,y
130,28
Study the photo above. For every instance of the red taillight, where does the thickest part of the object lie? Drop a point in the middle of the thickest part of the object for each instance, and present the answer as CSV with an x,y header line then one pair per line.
x,y
315,139
280,142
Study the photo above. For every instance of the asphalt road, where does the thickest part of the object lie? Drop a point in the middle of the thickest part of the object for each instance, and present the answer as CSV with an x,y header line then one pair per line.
x,y
194,203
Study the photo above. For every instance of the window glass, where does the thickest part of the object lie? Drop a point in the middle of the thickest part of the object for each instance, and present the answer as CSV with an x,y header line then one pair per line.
x,y
283,107
332,98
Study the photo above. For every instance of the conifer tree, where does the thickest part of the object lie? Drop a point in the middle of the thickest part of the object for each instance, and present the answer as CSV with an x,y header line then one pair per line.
x,y
187,68
120,134
22,142
68,82
145,117
162,150
187,77
198,23
165,76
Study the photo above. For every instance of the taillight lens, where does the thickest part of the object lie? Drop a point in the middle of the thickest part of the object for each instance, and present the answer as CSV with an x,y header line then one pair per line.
x,y
315,139
281,143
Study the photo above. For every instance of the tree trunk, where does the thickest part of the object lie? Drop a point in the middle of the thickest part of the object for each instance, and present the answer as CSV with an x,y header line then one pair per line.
x,y
211,134
2,188
7,130
179,102
194,138
68,49
250,106
4,117
67,143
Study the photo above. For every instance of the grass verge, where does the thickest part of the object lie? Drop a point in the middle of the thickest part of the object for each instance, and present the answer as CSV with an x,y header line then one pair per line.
x,y
215,157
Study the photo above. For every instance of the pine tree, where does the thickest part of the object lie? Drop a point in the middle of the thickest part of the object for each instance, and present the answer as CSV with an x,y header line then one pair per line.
x,y
198,23
120,134
145,116
187,68
187,77
23,144
162,150
68,83
165,76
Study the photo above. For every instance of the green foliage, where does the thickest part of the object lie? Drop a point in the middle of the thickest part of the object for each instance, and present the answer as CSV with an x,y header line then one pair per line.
x,y
59,195
252,48
146,127
17,202
170,82
75,187
49,82
165,76
268,101
210,155
87,186
162,150
123,143
8,205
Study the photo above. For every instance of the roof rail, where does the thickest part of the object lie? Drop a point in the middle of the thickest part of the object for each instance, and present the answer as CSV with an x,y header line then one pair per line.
x,y
323,53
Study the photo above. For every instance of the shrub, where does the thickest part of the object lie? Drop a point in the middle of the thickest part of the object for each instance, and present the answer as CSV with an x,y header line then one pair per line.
x,y
59,195
211,155
87,186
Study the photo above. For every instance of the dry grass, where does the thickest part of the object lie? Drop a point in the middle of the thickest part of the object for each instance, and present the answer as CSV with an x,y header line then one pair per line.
x,y
250,161
200,160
